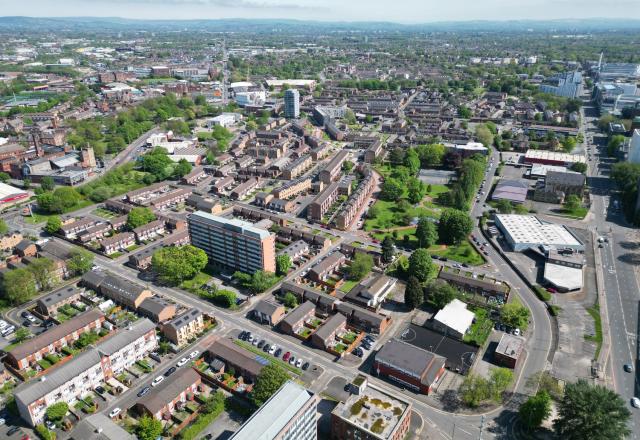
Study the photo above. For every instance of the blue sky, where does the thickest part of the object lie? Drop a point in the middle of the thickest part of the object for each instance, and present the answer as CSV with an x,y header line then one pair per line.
x,y
402,11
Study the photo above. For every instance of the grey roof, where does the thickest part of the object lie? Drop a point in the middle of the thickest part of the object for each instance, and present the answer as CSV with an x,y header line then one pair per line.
x,y
298,313
56,249
565,178
93,279
275,414
185,318
99,427
34,390
125,336
295,248
169,389
225,350
59,295
515,190
54,334
119,288
328,263
23,244
266,307
154,305
330,326
233,225
407,357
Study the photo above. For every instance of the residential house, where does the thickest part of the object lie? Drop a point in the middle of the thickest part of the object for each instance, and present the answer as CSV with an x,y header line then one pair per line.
x,y
49,304
127,346
321,271
149,231
118,289
242,361
325,336
371,293
157,309
173,392
184,327
118,242
268,312
10,240
509,350
54,339
297,317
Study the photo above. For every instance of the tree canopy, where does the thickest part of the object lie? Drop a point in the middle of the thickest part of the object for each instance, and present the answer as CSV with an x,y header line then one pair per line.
x,y
591,412
175,264
148,428
270,379
139,216
421,266
426,232
455,226
413,293
535,410
515,314
360,266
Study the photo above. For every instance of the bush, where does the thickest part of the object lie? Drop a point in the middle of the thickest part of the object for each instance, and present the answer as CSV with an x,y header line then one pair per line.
x,y
542,293
44,433
57,411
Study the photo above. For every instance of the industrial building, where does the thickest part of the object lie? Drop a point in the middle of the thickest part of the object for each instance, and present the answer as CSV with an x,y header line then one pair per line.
x,y
528,231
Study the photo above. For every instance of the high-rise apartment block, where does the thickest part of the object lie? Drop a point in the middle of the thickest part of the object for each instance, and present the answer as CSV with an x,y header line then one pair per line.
x,y
233,243
291,104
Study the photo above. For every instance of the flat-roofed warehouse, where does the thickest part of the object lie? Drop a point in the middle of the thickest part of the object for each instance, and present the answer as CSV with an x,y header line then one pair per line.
x,y
523,232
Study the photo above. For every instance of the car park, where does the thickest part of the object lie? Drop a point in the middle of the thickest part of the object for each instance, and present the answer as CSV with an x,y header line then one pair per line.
x,y
114,412
157,381
143,391
182,361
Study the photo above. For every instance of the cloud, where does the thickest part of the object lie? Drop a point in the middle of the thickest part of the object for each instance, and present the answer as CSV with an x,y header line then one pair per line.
x,y
236,4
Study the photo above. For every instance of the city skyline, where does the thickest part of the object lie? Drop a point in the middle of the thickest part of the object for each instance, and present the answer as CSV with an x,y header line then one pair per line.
x,y
407,11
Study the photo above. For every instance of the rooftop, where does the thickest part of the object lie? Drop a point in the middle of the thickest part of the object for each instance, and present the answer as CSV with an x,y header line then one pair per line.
x,y
233,225
272,417
374,411
169,389
510,345
563,277
530,229
455,316
411,358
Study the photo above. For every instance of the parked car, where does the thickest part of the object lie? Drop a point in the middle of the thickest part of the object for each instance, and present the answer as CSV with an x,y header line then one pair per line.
x,y
628,368
292,360
157,381
100,390
266,347
250,337
278,352
255,341
48,423
143,391
272,350
305,366
242,336
24,314
114,412
32,319
182,361
516,332
635,402
261,343
194,354
170,371
299,363
13,430
286,356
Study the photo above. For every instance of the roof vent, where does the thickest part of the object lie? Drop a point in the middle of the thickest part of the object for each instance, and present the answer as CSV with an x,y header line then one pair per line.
x,y
99,430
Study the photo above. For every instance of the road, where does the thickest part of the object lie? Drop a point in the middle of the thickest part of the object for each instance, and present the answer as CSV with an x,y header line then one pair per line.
x,y
619,277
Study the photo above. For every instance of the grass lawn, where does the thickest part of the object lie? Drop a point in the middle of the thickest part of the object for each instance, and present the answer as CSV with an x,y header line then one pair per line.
x,y
390,216
594,311
104,213
268,357
349,337
480,329
578,213
436,190
304,332
462,253
340,347
348,285
39,218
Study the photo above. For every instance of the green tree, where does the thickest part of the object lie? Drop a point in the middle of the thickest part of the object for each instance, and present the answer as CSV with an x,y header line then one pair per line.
x,y
392,190
413,293
257,282
579,167
349,117
3,227
60,200
80,262
431,155
182,168
360,266
411,161
535,410
572,202
514,314
47,183
421,266
53,224
22,334
176,264
416,190
388,249
270,379
426,232
57,411
4,177
42,270
157,163
283,263
290,300
474,390
614,144
347,166
464,112
441,293
484,135
139,216
504,206
396,156
149,428
591,412
455,226
499,381
19,286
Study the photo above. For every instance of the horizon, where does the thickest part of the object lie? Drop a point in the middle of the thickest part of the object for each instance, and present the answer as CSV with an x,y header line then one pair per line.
x,y
406,12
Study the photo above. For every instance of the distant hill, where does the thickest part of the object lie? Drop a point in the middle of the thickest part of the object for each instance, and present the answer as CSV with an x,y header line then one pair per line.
x,y
37,24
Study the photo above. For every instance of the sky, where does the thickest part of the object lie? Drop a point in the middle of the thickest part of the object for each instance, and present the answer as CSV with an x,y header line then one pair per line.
x,y
400,11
